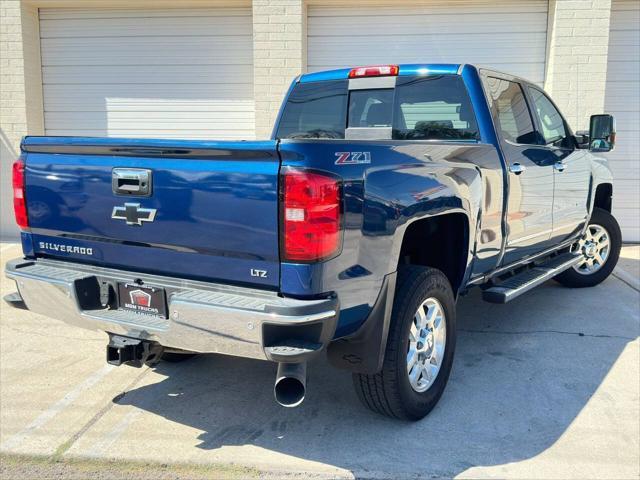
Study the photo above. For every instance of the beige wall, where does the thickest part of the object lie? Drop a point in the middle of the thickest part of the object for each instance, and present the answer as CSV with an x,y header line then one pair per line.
x,y
575,76
577,45
20,94
279,55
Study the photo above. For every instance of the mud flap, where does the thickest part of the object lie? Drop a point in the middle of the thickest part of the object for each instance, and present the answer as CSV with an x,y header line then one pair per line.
x,y
363,352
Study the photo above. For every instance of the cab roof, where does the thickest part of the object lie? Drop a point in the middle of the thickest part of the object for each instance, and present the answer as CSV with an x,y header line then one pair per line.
x,y
404,69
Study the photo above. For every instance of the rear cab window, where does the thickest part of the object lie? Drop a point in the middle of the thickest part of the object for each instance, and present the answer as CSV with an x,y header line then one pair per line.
x,y
434,108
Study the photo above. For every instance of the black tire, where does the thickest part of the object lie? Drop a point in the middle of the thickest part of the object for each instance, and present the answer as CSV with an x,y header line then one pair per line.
x,y
389,392
176,357
572,278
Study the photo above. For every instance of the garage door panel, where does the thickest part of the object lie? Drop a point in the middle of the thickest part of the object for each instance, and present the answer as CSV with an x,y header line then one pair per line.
x,y
505,35
96,103
462,8
435,24
626,216
624,17
625,150
623,100
157,50
61,95
618,94
127,27
181,73
96,13
147,74
628,169
625,63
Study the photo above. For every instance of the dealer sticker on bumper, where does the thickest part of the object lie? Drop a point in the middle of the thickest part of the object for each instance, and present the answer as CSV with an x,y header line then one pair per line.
x,y
142,299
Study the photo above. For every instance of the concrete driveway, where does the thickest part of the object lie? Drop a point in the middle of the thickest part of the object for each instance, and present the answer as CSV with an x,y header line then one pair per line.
x,y
547,386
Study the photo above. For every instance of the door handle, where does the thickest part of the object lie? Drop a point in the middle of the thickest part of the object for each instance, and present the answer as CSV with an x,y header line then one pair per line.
x,y
517,168
131,181
559,166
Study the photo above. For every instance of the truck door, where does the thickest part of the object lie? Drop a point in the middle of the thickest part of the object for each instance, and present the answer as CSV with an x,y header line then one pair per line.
x,y
529,212
572,170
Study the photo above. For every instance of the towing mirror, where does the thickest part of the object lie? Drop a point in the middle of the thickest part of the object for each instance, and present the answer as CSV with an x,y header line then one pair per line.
x,y
582,139
602,133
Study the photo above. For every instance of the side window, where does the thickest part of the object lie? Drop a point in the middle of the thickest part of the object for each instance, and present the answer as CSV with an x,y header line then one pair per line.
x,y
551,122
315,110
433,108
509,109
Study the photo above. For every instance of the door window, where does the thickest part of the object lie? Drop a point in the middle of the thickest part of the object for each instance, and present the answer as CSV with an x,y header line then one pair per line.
x,y
433,108
550,120
510,110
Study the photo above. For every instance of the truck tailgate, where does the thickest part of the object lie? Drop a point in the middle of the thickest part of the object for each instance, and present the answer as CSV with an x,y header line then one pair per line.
x,y
211,212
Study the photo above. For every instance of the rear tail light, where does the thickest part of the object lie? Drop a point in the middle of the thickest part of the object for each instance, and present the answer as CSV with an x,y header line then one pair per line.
x,y
311,220
19,202
374,71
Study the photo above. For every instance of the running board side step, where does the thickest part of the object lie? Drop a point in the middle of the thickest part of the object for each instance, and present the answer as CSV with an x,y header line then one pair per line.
x,y
521,283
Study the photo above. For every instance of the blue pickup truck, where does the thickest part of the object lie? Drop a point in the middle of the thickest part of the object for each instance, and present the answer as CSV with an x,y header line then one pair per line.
x,y
384,194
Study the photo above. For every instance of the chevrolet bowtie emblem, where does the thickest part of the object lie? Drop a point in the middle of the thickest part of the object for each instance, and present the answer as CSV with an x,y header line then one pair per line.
x,y
133,214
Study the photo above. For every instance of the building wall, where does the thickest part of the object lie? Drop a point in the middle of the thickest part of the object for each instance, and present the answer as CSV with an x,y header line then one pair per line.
x,y
279,55
20,94
577,43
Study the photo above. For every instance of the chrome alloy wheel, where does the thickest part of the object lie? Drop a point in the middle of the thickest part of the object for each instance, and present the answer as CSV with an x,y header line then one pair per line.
x,y
427,339
595,246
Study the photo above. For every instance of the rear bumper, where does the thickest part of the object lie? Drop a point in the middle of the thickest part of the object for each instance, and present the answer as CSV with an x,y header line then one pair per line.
x,y
203,317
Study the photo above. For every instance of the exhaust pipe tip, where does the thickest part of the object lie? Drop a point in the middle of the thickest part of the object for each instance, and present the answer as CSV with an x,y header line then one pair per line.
x,y
291,384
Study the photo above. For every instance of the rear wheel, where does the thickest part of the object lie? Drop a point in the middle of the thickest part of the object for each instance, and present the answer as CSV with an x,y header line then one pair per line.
x,y
420,347
600,250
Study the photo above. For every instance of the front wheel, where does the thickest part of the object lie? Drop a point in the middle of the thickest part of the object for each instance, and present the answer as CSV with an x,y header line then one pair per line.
x,y
600,250
420,347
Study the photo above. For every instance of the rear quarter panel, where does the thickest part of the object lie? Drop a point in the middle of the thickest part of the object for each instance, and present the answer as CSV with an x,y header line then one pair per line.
x,y
403,183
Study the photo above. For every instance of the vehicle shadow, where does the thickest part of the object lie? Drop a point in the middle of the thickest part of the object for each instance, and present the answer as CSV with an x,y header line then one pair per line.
x,y
523,372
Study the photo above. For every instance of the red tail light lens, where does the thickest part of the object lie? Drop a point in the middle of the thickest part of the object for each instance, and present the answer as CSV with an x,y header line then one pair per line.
x,y
19,202
374,71
311,216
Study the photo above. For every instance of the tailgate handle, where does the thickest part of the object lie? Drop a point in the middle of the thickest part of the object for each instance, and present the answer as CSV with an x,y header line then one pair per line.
x,y
131,182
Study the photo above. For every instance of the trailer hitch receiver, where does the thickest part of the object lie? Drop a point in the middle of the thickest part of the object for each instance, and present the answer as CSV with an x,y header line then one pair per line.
x,y
132,351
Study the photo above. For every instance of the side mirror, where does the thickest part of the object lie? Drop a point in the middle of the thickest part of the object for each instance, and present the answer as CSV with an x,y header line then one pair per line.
x,y
582,139
602,133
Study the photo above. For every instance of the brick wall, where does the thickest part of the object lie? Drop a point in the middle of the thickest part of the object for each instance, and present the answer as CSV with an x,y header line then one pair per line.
x,y
279,54
578,42
13,112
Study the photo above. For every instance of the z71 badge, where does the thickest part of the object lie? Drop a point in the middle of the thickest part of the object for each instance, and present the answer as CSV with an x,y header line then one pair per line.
x,y
353,158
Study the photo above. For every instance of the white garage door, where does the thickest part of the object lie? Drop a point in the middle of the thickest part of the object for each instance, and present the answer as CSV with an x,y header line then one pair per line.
x,y
183,73
623,101
506,35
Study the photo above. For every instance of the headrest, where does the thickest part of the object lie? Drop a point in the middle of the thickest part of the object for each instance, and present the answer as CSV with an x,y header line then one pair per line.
x,y
379,114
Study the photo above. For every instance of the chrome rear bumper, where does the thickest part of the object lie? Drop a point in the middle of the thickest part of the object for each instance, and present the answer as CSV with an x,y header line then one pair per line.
x,y
203,317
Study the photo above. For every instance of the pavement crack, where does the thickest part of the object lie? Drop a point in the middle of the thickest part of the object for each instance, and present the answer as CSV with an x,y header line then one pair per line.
x,y
541,332
65,446
625,278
